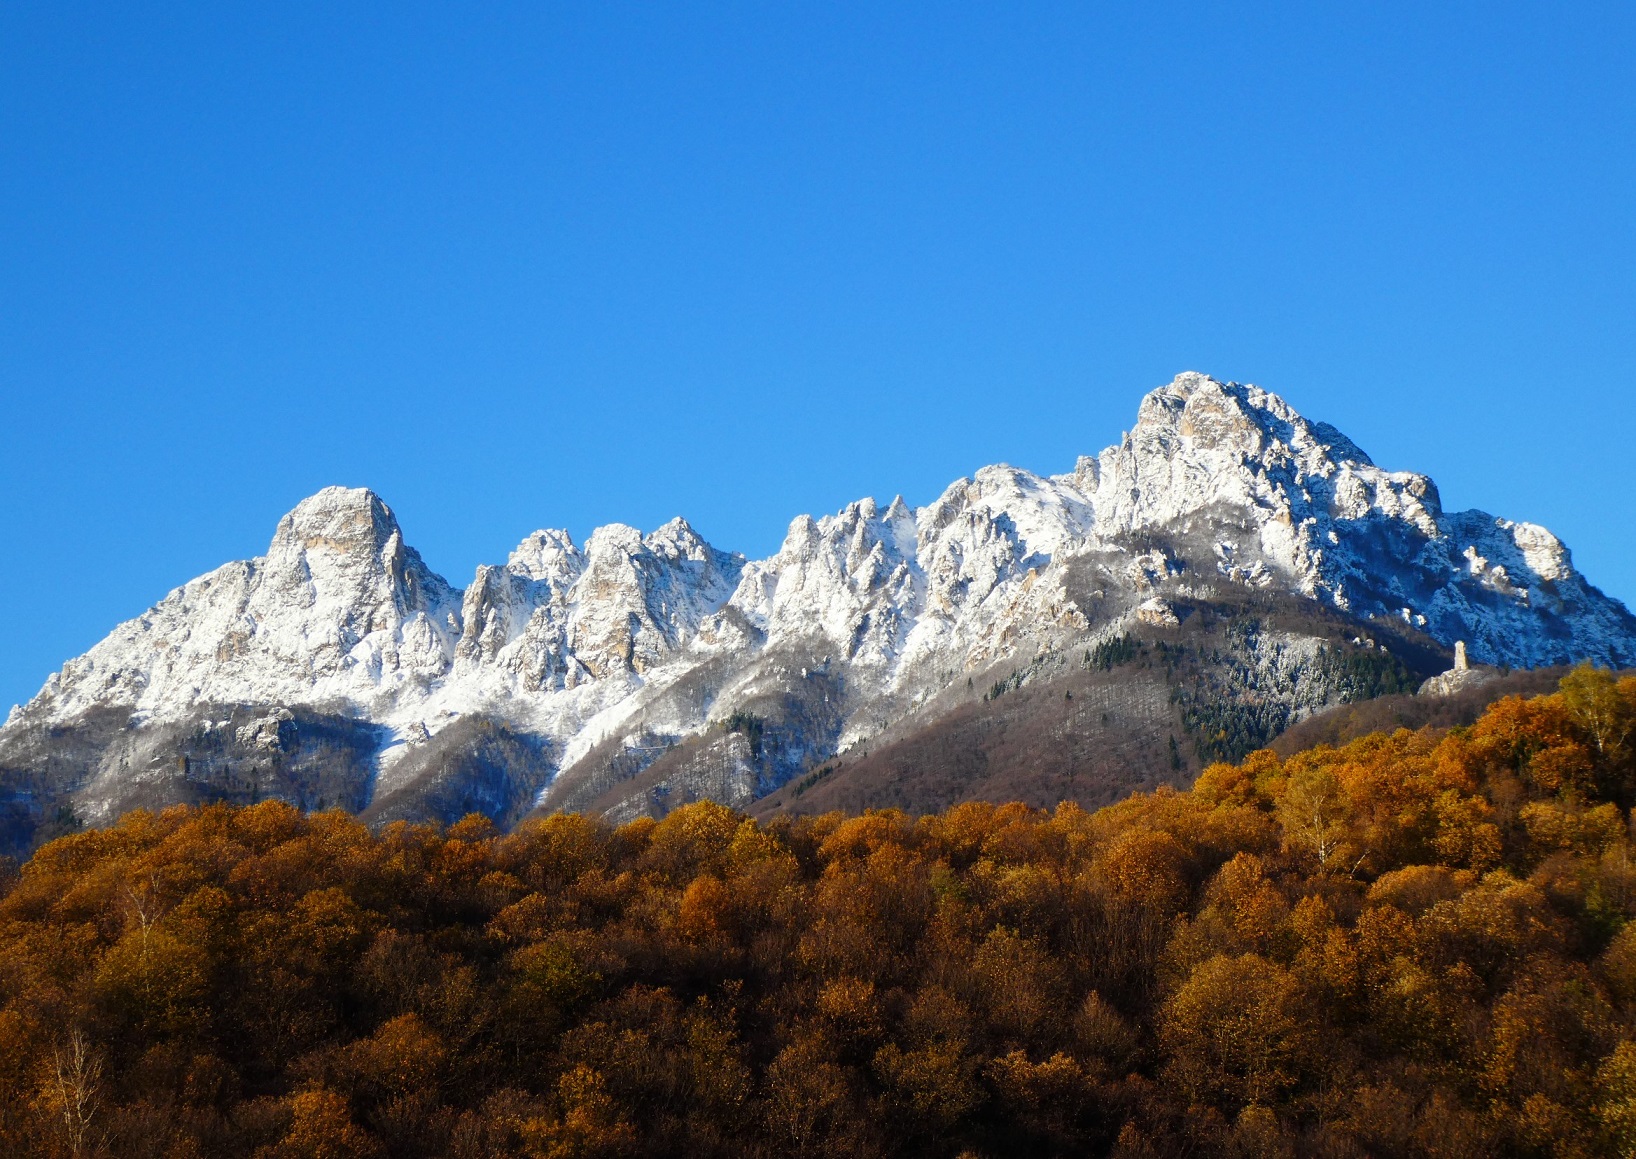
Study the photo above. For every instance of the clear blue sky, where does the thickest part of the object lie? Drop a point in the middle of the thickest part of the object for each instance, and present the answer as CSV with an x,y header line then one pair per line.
x,y
558,265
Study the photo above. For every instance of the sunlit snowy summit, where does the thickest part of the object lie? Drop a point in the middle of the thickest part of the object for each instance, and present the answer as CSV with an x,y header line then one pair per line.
x,y
860,617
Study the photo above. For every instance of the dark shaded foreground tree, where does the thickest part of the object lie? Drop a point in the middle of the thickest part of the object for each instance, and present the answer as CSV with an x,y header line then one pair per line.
x,y
1414,945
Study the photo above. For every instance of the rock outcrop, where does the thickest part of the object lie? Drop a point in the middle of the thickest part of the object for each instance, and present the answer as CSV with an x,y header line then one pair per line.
x,y
604,657
1458,678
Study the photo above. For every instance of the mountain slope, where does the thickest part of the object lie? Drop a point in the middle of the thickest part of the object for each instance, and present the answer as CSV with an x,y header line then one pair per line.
x,y
631,653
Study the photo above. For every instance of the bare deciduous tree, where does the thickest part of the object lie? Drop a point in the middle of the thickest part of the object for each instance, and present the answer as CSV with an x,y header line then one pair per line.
x,y
76,1087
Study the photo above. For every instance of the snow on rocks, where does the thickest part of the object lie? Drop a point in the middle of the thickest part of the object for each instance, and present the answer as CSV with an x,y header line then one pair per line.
x,y
1216,484
1157,613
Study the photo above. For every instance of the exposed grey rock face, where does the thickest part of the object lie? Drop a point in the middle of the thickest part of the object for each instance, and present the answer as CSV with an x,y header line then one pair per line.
x,y
598,660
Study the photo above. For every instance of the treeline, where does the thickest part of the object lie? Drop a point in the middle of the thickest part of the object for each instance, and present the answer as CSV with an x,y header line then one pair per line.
x,y
1415,945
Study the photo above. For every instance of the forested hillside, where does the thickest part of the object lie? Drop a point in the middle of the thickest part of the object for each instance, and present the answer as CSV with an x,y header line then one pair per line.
x,y
1412,945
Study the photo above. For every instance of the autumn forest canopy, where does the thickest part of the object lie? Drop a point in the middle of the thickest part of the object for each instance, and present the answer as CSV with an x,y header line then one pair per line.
x,y
1417,944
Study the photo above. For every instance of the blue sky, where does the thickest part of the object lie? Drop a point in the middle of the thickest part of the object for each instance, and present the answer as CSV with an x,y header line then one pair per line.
x,y
560,265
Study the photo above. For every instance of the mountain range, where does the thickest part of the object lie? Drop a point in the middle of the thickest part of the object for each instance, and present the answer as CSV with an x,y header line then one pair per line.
x,y
1226,569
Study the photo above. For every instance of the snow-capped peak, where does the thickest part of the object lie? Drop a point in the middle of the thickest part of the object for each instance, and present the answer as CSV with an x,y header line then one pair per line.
x,y
1217,484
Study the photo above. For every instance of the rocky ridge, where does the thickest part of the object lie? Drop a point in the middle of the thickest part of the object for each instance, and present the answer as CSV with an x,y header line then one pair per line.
x,y
608,656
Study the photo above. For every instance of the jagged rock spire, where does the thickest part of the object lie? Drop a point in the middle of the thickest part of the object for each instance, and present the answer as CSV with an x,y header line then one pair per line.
x,y
1218,484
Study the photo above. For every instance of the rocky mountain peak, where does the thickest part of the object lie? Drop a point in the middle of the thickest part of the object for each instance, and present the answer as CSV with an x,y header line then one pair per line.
x,y
340,553
548,556
641,598
1209,414
1234,470
1201,445
678,540
346,520
861,614
1199,414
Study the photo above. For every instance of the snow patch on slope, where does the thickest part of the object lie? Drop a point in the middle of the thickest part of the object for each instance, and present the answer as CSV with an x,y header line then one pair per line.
x,y
1216,484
